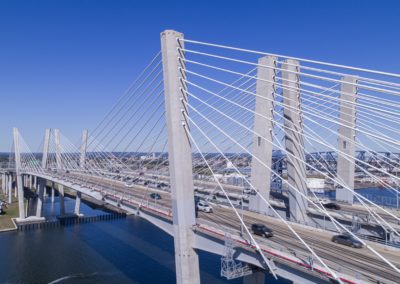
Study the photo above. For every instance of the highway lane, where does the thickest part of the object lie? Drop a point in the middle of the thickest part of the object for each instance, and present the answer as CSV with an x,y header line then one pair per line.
x,y
353,260
362,211
357,209
350,259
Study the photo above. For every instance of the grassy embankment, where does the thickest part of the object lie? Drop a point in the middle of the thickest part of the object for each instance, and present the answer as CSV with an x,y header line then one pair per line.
x,y
10,212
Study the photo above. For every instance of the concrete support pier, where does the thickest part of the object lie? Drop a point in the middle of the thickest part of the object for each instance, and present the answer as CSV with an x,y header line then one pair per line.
x,y
346,140
39,206
9,188
16,188
294,141
52,193
262,141
180,159
3,183
61,198
78,203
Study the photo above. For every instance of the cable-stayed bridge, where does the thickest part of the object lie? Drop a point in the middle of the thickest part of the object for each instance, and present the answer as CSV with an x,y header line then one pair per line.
x,y
249,132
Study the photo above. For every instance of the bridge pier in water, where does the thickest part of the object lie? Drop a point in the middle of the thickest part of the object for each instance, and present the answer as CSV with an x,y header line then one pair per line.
x,y
39,206
180,159
61,199
296,168
262,141
78,203
52,193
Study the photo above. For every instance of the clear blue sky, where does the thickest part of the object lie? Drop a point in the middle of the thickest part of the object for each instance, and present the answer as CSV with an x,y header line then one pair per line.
x,y
64,63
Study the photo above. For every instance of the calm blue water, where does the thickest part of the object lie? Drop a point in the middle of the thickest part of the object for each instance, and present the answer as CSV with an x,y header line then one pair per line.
x,y
122,251
380,196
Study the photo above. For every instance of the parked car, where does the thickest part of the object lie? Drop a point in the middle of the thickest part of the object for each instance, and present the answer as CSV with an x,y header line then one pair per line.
x,y
204,206
262,230
331,205
347,240
155,195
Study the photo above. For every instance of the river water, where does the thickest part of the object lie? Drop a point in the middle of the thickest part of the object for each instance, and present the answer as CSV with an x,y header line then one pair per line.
x,y
127,250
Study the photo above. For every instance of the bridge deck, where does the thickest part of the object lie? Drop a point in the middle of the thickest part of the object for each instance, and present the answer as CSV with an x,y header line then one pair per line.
x,y
355,263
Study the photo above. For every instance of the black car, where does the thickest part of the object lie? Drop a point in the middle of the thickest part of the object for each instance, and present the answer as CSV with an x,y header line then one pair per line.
x,y
262,230
332,205
155,195
347,240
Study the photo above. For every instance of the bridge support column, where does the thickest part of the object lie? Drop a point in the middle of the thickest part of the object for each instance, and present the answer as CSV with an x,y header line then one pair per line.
x,y
3,183
19,185
39,207
10,181
45,190
16,186
78,203
346,140
52,193
255,278
263,126
61,198
180,159
19,192
296,169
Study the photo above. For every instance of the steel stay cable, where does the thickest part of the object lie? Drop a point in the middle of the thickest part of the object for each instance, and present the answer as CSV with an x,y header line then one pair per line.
x,y
295,58
305,196
343,185
246,92
257,246
282,85
127,91
267,203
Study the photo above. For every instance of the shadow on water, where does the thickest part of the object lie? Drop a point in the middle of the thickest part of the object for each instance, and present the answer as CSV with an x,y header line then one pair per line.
x,y
128,250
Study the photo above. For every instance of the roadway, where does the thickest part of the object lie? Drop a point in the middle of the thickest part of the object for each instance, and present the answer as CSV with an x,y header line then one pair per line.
x,y
354,261
356,209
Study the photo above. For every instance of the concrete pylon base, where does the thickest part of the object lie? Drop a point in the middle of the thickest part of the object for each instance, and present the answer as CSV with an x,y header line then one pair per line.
x,y
30,219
